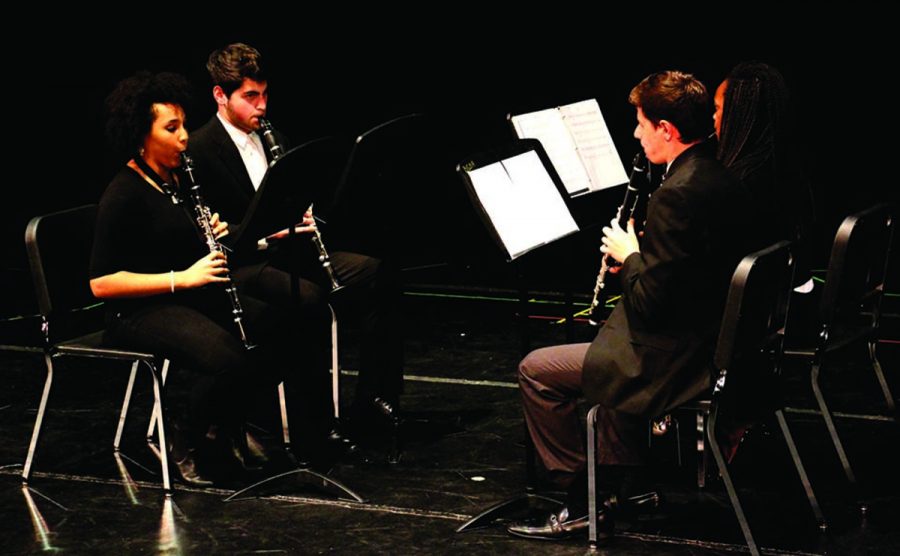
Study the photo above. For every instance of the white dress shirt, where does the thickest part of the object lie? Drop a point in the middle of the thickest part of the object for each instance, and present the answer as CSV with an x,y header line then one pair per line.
x,y
250,146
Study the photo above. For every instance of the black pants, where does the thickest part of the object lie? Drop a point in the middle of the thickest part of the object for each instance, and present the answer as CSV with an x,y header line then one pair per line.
x,y
198,334
370,295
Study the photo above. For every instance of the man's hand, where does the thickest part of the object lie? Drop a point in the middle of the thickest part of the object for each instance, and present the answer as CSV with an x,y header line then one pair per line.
x,y
307,226
619,243
220,228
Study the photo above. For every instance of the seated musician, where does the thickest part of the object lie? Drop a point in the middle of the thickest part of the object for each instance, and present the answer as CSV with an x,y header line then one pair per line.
x,y
655,350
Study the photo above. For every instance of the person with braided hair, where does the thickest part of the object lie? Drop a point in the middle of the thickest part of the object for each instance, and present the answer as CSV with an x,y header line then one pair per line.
x,y
752,123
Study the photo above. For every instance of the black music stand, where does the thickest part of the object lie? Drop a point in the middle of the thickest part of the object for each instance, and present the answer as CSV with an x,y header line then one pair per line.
x,y
288,188
394,166
290,185
502,233
385,166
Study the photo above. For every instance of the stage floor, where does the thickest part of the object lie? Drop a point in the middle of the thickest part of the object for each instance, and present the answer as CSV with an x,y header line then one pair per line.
x,y
462,451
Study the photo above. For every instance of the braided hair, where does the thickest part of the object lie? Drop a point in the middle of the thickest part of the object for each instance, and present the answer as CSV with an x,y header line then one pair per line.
x,y
754,121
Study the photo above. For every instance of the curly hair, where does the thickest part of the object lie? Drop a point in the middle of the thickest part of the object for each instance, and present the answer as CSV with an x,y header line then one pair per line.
x,y
678,98
129,107
229,66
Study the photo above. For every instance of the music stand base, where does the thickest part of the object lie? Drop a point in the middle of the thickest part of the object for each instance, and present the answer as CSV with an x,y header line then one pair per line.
x,y
307,476
505,509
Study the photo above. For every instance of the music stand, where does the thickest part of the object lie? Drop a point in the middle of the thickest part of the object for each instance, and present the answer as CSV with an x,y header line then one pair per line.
x,y
290,185
287,189
492,198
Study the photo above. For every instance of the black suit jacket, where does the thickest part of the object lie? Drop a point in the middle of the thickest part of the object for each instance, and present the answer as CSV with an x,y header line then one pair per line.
x,y
223,177
655,350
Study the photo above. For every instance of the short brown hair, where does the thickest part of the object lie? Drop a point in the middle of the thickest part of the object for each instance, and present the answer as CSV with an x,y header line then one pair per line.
x,y
229,66
678,98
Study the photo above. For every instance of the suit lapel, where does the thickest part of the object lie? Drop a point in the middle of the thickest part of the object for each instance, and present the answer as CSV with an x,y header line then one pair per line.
x,y
231,159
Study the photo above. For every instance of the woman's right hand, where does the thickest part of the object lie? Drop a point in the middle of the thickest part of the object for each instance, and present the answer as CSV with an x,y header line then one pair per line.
x,y
209,269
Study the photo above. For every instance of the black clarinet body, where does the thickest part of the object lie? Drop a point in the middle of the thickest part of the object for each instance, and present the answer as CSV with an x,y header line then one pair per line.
x,y
637,181
203,218
276,152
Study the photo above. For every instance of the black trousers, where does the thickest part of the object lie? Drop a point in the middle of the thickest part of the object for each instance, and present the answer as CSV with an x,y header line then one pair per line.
x,y
370,295
197,334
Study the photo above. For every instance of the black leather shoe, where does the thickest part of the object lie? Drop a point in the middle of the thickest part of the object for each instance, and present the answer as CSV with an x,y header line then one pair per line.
x,y
247,450
184,456
339,440
374,414
188,471
560,525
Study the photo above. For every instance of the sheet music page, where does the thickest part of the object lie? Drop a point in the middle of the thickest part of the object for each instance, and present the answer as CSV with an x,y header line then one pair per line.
x,y
522,202
548,127
594,144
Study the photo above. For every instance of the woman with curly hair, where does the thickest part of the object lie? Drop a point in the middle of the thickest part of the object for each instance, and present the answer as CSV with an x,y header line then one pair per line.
x,y
164,288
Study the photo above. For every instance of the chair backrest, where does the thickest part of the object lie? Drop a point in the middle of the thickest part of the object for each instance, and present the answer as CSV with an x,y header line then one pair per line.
x,y
59,252
755,312
854,284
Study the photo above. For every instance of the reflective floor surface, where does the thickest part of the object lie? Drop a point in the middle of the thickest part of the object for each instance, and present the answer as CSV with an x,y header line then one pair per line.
x,y
462,451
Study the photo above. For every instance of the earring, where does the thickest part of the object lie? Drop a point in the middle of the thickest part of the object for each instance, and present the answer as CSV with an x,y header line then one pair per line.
x,y
141,151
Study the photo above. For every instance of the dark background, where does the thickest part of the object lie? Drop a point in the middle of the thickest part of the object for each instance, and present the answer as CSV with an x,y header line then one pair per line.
x,y
329,76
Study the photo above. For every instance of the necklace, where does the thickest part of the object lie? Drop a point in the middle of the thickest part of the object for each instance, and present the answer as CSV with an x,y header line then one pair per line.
x,y
157,180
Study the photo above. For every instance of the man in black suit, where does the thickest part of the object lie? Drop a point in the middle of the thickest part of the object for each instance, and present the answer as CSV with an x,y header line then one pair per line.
x,y
655,350
231,160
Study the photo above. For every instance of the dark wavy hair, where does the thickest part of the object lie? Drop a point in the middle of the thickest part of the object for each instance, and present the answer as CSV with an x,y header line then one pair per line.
x,y
678,98
229,66
129,107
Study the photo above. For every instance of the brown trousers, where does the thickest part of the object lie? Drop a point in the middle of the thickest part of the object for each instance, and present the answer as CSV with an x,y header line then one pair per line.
x,y
550,382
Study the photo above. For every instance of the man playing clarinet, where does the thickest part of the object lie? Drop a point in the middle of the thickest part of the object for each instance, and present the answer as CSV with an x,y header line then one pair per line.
x,y
232,160
655,350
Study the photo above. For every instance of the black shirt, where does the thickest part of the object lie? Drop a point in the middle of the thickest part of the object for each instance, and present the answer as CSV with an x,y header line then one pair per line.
x,y
140,230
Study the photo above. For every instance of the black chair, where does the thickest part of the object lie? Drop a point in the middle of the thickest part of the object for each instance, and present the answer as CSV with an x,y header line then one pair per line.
x,y
748,355
850,309
59,249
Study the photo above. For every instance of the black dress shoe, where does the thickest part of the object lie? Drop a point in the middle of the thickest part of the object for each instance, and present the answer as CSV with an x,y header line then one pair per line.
x,y
561,525
247,450
340,441
375,414
186,465
184,455
378,418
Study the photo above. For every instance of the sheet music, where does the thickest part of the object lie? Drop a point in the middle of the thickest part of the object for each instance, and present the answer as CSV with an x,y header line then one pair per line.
x,y
595,145
522,203
548,127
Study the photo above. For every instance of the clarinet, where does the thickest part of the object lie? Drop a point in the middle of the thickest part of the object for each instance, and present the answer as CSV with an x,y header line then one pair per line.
x,y
623,215
275,150
203,217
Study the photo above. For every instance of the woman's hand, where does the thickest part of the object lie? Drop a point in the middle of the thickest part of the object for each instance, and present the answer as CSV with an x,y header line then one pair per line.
x,y
210,269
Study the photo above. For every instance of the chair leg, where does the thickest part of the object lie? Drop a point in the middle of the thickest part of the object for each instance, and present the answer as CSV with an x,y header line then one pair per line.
x,y
885,389
702,453
677,441
801,471
335,367
39,420
151,427
726,478
829,423
592,476
285,429
158,391
125,402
